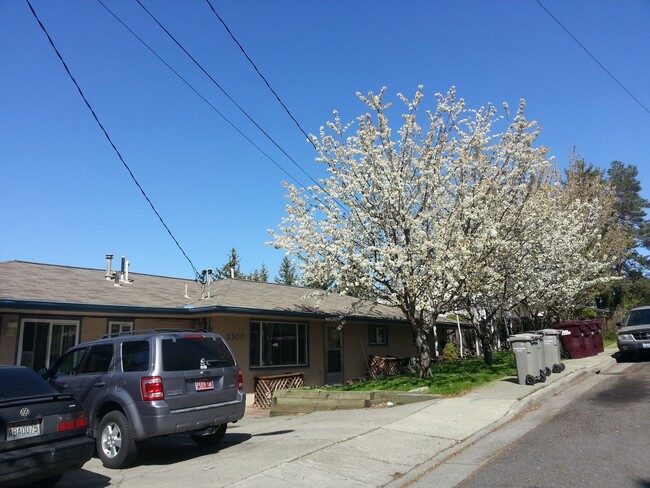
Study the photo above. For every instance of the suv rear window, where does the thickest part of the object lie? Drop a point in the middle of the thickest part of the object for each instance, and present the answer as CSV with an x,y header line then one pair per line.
x,y
186,353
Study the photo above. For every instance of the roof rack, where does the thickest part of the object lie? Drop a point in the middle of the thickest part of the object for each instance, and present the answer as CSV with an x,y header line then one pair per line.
x,y
152,331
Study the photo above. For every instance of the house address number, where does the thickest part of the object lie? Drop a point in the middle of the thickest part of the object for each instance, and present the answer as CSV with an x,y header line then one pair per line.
x,y
235,336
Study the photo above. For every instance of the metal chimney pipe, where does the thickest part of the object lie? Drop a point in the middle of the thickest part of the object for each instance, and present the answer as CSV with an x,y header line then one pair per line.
x,y
126,271
122,268
109,271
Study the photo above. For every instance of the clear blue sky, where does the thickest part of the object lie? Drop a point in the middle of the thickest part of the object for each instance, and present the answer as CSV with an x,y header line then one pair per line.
x,y
65,198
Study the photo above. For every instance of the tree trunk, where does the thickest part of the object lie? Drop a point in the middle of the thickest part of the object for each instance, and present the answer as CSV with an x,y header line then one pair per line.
x,y
486,343
424,350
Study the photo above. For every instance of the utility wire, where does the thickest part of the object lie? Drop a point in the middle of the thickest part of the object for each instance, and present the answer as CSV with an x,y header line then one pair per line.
x,y
187,83
229,97
101,126
260,74
594,58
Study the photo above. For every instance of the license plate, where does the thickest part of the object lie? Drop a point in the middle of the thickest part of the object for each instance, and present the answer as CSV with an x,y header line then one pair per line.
x,y
23,431
646,345
204,385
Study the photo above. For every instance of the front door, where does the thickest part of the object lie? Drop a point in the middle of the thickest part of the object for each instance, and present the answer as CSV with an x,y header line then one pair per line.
x,y
333,355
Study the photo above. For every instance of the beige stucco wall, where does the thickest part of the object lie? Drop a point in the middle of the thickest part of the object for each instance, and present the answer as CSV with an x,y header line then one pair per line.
x,y
357,348
236,330
9,329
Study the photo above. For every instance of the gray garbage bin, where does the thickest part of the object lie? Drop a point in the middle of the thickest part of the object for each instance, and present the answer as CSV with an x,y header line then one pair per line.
x,y
552,350
527,358
541,356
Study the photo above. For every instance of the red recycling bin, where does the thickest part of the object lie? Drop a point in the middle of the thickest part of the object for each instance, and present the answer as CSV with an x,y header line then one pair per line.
x,y
573,339
597,334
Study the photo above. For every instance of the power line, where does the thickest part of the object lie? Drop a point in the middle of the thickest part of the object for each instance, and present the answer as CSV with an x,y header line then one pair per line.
x,y
594,58
101,126
228,95
187,83
260,74
324,190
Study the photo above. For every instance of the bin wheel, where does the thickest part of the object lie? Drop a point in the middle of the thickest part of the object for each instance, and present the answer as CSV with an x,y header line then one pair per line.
x,y
542,376
557,368
565,355
530,380
563,366
548,371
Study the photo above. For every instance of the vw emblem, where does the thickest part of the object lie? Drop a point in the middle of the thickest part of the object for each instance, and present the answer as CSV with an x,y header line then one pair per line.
x,y
24,412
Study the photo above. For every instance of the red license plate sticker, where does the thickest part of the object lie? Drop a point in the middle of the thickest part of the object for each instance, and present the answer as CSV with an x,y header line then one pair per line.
x,y
204,385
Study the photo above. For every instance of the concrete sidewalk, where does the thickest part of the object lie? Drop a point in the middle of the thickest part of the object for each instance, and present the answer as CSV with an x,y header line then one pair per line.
x,y
352,448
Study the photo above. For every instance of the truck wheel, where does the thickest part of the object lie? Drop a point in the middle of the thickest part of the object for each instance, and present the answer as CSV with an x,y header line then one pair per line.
x,y
116,446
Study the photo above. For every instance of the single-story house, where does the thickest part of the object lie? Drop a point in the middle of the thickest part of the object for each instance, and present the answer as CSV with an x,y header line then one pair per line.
x,y
273,329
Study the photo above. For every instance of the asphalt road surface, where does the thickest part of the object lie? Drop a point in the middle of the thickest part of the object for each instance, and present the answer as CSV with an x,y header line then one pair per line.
x,y
601,439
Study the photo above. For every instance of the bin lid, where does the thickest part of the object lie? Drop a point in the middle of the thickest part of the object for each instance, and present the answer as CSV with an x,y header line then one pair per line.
x,y
555,332
523,338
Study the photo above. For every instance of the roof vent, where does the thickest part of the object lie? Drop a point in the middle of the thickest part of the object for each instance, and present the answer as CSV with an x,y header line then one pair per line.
x,y
109,271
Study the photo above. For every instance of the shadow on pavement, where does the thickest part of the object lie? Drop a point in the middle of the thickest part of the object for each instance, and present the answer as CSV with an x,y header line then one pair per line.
x,y
177,448
638,357
82,477
275,432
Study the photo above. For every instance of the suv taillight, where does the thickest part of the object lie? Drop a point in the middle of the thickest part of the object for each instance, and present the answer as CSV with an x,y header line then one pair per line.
x,y
152,388
240,380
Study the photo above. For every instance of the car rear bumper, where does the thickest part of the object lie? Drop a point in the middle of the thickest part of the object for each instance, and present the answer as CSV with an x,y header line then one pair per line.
x,y
40,462
155,422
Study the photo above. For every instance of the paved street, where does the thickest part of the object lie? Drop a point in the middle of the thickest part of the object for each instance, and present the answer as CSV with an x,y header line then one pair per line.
x,y
600,439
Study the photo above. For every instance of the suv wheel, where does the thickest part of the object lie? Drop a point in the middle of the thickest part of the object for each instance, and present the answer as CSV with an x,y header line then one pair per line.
x,y
116,446
210,439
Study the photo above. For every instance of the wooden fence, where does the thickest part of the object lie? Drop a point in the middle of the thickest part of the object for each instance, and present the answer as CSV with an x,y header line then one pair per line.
x,y
266,385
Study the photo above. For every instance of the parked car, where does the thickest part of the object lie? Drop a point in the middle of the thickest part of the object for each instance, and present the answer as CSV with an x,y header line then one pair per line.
x,y
143,384
634,332
42,432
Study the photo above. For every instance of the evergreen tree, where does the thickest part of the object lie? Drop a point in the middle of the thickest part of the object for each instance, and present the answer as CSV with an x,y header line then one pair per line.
x,y
630,207
261,274
231,268
287,273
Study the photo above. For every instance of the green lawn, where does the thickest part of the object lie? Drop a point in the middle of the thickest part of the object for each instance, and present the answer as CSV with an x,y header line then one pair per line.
x,y
448,378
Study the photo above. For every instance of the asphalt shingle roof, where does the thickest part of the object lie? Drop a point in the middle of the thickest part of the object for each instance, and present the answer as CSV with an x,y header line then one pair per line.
x,y
33,282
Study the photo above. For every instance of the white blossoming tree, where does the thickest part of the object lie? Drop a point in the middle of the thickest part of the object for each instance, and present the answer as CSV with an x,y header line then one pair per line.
x,y
408,218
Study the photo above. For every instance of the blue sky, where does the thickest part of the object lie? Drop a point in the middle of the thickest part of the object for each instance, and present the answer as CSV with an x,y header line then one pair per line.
x,y
65,198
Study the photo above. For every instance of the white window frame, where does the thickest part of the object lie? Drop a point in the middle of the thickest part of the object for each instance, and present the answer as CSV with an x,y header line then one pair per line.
x,y
122,325
51,323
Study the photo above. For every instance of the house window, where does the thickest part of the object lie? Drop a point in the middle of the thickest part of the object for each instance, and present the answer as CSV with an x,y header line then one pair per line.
x,y
278,344
378,336
117,327
41,342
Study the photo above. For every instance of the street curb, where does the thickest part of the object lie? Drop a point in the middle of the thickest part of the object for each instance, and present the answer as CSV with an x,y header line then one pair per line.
x,y
527,403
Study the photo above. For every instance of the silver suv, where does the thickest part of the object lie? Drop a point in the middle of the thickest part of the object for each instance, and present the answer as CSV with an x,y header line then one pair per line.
x,y
634,333
144,384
